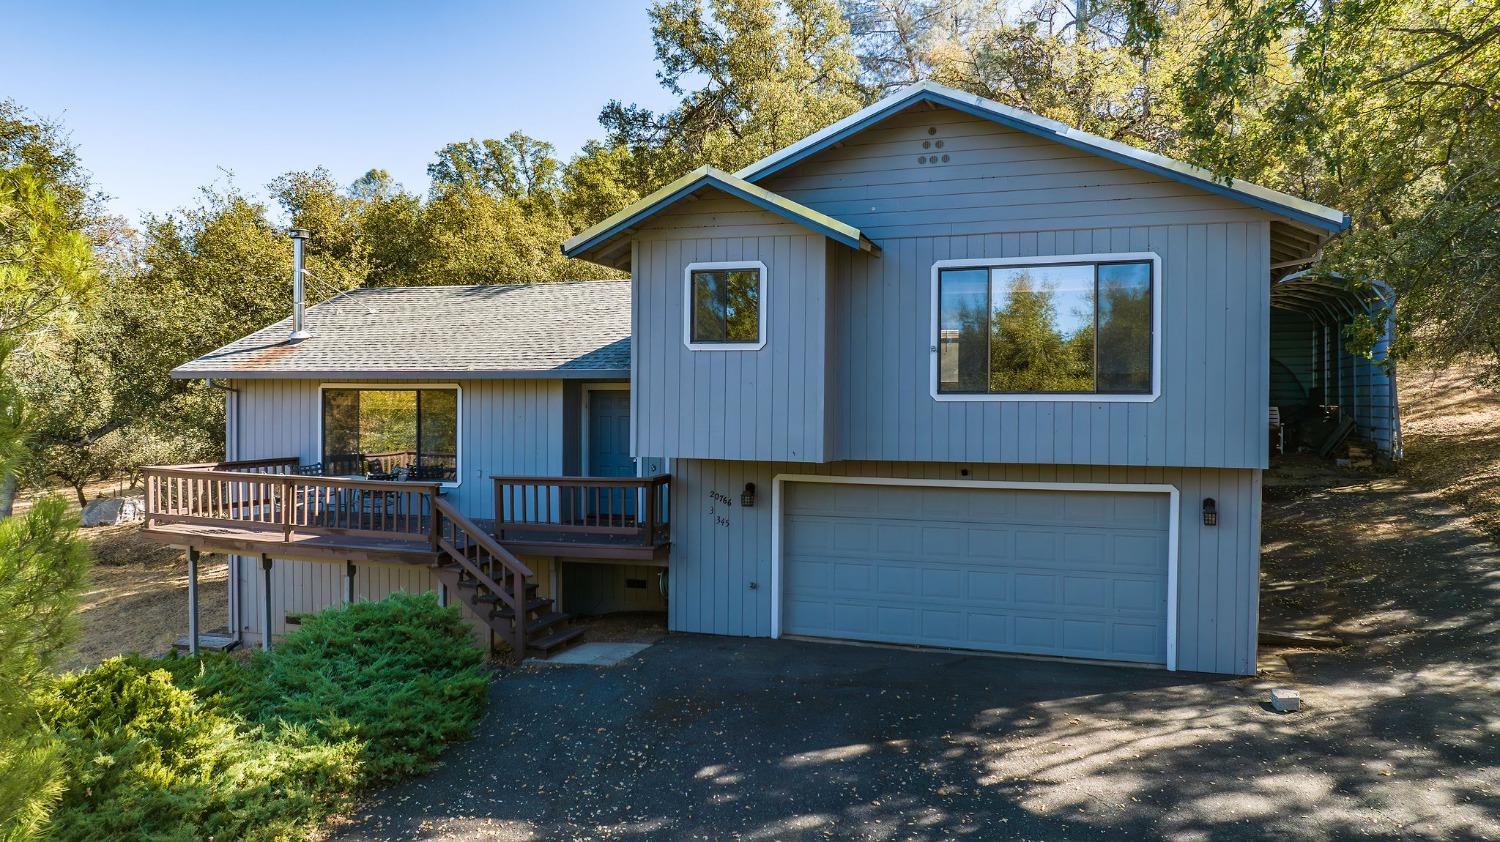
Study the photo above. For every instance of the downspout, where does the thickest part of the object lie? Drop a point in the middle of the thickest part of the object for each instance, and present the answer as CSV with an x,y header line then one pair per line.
x,y
232,451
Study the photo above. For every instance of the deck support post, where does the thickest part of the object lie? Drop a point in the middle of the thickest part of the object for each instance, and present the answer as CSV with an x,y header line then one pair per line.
x,y
192,560
349,570
265,635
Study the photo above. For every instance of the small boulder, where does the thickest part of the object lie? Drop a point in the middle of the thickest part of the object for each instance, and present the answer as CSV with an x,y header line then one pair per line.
x,y
112,511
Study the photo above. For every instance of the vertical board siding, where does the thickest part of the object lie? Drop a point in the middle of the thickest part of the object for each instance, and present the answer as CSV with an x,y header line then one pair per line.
x,y
1214,363
731,404
720,580
509,427
849,350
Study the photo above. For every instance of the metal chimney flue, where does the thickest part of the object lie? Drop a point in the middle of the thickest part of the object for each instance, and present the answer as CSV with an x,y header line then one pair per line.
x,y
299,288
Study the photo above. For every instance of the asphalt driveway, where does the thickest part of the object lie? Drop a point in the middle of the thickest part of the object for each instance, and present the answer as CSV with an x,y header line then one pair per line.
x,y
713,738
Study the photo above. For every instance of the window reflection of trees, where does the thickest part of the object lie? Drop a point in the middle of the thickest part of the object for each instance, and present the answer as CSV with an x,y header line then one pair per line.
x,y
726,305
1046,329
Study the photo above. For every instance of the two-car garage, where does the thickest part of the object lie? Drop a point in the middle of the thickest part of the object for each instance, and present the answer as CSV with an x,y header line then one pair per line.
x,y
1059,569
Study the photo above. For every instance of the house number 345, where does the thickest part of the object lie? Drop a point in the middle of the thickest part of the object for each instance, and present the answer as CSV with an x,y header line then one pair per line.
x,y
719,505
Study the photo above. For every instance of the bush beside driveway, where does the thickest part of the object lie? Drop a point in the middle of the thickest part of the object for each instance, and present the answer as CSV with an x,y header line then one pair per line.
x,y
711,738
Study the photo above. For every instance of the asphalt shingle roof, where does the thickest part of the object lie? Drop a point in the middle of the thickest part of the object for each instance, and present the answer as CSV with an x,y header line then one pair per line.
x,y
565,329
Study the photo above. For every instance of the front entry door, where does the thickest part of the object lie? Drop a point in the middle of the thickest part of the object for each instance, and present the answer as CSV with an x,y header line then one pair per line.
x,y
609,446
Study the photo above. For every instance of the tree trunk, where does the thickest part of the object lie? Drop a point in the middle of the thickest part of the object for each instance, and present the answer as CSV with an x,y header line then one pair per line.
x,y
82,499
7,494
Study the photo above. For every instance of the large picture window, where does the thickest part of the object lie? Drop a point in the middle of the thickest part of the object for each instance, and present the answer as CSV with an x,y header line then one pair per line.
x,y
724,303
1065,328
408,434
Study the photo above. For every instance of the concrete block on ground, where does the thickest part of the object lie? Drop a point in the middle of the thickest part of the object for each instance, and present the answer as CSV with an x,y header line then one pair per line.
x,y
596,654
1286,700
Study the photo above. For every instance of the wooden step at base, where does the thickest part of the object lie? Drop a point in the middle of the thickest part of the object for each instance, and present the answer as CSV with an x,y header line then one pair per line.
x,y
546,621
505,612
544,646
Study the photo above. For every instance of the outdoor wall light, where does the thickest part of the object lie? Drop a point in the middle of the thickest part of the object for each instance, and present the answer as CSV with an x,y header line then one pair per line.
x,y
747,499
1210,512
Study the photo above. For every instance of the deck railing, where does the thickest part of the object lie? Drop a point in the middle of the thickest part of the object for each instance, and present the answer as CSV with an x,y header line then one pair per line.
x,y
492,569
268,493
629,510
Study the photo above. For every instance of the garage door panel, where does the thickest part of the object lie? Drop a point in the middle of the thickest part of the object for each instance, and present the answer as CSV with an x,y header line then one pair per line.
x,y
1034,589
989,586
940,583
1086,592
990,544
854,578
960,567
897,579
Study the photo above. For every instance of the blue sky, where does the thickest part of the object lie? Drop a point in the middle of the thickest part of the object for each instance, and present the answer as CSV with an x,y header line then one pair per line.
x,y
159,96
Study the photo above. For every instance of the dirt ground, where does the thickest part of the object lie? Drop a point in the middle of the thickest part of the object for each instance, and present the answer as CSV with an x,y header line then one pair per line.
x,y
136,596
1451,428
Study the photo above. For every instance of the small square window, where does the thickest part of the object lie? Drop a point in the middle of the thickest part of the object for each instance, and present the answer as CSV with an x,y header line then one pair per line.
x,y
724,304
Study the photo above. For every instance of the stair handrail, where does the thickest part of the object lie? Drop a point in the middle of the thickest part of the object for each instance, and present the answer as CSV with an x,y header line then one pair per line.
x,y
519,572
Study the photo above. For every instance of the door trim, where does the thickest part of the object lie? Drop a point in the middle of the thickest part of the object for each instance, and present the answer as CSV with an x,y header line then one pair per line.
x,y
778,501
583,422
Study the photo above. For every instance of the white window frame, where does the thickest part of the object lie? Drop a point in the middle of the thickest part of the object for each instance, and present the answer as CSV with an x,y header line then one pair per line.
x,y
687,306
458,463
1174,527
1052,260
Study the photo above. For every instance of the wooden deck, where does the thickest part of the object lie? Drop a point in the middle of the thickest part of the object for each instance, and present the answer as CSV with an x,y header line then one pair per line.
x,y
267,508
255,541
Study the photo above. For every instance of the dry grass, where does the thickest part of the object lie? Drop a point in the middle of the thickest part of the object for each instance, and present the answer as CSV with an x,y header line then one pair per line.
x,y
136,596
1451,427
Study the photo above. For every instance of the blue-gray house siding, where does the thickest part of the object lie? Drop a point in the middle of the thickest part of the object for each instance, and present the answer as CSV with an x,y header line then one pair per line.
x,y
842,386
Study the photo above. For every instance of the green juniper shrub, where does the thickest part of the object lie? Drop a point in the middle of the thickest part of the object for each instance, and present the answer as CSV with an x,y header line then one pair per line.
x,y
401,677
265,747
150,760
42,567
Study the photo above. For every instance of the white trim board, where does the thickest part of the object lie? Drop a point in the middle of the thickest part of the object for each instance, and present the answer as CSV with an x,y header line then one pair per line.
x,y
1174,506
1157,286
396,386
687,305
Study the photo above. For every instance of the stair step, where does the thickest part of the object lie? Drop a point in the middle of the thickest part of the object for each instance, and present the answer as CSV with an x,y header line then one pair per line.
x,y
556,640
546,621
504,612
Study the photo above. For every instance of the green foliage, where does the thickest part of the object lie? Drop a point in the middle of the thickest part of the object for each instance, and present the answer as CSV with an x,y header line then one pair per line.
x,y
773,72
400,676
42,566
1386,109
45,262
147,759
264,748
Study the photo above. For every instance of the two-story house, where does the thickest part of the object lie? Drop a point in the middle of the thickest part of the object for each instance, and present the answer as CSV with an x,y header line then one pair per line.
x,y
944,374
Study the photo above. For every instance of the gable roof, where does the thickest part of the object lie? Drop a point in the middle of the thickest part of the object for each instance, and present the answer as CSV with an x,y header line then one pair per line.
x,y
600,234
550,330
1310,213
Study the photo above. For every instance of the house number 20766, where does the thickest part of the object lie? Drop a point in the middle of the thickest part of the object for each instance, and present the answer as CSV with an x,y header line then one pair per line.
x,y
720,502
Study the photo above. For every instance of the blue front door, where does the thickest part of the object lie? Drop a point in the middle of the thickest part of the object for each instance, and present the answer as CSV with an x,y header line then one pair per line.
x,y
609,434
609,454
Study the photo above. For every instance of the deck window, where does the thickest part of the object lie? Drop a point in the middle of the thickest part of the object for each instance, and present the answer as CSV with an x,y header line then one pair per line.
x,y
1064,328
724,302
391,433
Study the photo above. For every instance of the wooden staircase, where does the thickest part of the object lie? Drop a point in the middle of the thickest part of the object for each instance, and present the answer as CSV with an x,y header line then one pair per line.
x,y
492,582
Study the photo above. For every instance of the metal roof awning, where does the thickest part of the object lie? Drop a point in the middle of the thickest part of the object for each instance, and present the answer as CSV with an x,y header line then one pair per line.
x,y
1330,297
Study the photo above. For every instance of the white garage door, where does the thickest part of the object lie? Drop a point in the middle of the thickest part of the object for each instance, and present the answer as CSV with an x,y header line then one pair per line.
x,y
1072,573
